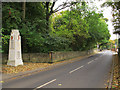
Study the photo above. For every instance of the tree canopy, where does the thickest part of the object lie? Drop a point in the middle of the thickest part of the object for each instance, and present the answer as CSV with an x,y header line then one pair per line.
x,y
115,12
78,28
83,27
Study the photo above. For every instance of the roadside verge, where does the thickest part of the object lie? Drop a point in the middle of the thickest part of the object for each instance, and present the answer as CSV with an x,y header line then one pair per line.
x,y
114,81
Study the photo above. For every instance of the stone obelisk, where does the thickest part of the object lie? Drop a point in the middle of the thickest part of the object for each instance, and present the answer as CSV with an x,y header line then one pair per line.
x,y
15,57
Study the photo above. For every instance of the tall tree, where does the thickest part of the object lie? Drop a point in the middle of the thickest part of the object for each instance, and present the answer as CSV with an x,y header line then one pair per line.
x,y
115,12
24,8
31,28
49,9
83,27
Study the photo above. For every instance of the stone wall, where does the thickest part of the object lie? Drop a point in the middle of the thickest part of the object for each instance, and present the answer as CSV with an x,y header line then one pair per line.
x,y
46,57
57,56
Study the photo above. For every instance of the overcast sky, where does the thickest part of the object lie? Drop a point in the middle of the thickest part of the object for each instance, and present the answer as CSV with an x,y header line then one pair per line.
x,y
106,12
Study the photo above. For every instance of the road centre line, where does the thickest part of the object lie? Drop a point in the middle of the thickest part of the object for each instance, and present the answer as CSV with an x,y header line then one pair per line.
x,y
90,61
45,84
76,69
69,72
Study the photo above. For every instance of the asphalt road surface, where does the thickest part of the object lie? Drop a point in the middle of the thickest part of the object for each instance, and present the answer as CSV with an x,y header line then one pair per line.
x,y
90,72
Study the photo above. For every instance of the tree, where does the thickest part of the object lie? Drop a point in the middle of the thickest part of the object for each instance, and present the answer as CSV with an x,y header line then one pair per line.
x,y
98,28
69,30
49,9
115,12
83,27
24,8
31,28
71,25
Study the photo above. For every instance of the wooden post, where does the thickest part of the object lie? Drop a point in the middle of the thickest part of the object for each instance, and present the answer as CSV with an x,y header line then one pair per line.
x,y
51,57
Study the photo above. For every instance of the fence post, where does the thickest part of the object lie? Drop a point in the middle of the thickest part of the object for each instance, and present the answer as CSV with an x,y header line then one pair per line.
x,y
51,56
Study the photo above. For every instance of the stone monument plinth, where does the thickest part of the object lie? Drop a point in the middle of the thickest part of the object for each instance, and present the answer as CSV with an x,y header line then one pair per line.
x,y
15,57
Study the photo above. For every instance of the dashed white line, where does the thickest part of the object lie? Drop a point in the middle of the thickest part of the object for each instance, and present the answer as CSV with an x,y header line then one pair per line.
x,y
45,84
90,61
76,69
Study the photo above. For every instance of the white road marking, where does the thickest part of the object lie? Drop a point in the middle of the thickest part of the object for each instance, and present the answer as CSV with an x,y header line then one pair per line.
x,y
45,84
76,69
90,61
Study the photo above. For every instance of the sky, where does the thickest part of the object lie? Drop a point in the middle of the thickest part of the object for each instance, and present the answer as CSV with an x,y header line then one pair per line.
x,y
106,13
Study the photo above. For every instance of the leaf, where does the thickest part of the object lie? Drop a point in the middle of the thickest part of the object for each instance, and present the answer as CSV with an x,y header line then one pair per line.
x,y
1,81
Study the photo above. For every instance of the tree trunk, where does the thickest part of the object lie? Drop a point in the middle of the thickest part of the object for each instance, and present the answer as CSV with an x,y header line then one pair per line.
x,y
47,17
47,23
24,7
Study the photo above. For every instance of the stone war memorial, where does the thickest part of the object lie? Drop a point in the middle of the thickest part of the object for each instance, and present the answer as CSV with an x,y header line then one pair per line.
x,y
15,57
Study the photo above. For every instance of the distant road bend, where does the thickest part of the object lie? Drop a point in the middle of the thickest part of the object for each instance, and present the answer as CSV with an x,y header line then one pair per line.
x,y
89,72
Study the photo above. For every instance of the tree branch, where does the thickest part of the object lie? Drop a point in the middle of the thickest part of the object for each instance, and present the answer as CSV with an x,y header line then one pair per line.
x,y
59,6
51,9
63,7
53,4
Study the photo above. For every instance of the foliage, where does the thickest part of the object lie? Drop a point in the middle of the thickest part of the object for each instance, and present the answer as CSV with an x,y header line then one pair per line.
x,y
70,25
31,28
84,28
79,28
115,12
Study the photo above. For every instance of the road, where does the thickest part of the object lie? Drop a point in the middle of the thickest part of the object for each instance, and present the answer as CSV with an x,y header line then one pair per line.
x,y
90,72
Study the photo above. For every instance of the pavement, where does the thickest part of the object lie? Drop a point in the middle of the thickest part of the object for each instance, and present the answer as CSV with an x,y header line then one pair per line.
x,y
89,72
115,73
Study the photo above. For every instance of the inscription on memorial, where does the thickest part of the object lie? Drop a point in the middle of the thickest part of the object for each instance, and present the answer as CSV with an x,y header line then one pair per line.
x,y
18,46
18,54
12,55
12,44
